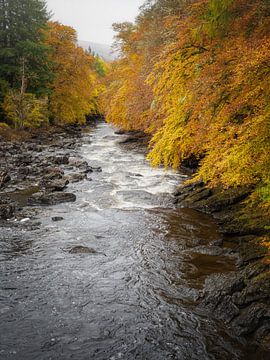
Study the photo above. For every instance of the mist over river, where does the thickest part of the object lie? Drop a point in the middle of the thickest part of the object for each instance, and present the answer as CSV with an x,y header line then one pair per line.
x,y
134,296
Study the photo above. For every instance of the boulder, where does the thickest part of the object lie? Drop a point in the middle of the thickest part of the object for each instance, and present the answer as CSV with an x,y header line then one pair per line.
x,y
4,178
81,250
57,218
7,209
53,174
54,198
76,177
60,160
55,185
252,318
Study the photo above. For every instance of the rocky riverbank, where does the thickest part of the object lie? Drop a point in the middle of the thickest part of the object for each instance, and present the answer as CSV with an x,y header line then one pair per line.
x,y
241,299
37,170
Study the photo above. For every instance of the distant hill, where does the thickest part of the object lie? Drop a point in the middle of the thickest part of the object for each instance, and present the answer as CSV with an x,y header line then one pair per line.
x,y
103,50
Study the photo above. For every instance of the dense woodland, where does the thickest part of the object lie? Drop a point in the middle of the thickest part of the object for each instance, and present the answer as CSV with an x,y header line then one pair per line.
x,y
194,74
45,77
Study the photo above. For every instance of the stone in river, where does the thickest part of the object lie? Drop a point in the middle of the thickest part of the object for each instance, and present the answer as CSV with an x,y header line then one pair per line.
x,y
54,198
7,209
81,250
57,218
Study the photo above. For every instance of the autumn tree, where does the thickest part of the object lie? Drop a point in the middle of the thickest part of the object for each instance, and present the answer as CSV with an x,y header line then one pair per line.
x,y
24,110
195,74
73,92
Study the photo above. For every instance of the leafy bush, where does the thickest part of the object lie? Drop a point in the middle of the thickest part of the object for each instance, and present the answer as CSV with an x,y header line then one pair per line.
x,y
25,110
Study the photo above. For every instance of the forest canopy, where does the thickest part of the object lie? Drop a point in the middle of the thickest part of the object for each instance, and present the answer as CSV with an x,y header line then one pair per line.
x,y
44,75
195,75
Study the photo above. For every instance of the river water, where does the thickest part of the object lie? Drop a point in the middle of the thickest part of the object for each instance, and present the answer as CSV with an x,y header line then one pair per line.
x,y
133,299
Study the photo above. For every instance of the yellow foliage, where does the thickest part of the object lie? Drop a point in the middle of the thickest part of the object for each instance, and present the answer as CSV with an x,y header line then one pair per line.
x,y
127,97
200,93
74,92
171,144
25,110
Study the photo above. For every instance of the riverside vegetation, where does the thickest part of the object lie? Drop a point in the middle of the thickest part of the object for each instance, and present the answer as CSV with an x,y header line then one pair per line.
x,y
193,81
195,76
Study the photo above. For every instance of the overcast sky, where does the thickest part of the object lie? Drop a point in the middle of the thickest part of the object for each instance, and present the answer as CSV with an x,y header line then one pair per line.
x,y
93,19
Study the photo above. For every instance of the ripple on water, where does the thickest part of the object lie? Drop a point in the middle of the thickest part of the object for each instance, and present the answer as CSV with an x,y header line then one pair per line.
x,y
137,302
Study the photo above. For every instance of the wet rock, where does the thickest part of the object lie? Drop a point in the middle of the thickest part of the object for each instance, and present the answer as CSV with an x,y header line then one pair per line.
x,y
88,169
70,144
75,162
197,196
133,137
76,177
84,165
262,336
255,269
212,250
34,147
251,318
25,170
187,189
54,198
57,218
218,286
257,289
121,132
97,169
226,310
25,159
242,300
82,250
60,160
4,178
55,185
220,199
7,209
53,174
250,252
217,242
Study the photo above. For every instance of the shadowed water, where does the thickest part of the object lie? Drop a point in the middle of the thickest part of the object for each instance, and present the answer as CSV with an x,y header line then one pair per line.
x,y
132,299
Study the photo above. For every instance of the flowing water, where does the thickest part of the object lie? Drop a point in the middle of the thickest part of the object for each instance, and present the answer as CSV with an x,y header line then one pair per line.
x,y
135,297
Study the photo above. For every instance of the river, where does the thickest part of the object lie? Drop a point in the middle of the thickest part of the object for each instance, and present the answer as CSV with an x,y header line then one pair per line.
x,y
135,298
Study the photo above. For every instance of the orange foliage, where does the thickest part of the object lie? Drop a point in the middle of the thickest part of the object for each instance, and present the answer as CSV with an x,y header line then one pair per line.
x,y
74,93
196,74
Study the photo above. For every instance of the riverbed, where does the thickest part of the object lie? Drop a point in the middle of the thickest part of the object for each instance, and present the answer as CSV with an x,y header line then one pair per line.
x,y
135,295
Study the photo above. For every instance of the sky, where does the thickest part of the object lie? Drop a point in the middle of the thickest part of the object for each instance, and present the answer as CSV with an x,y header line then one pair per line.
x,y
93,19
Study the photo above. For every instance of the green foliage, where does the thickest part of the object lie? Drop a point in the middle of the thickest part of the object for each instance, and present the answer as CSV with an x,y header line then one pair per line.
x,y
264,191
25,110
99,66
217,17
21,41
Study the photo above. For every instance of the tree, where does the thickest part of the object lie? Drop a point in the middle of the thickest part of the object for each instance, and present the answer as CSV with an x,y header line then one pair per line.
x,y
99,66
25,110
73,92
23,55
198,92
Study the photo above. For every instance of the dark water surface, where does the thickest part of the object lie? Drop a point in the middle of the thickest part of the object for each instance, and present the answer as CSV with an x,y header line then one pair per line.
x,y
133,299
